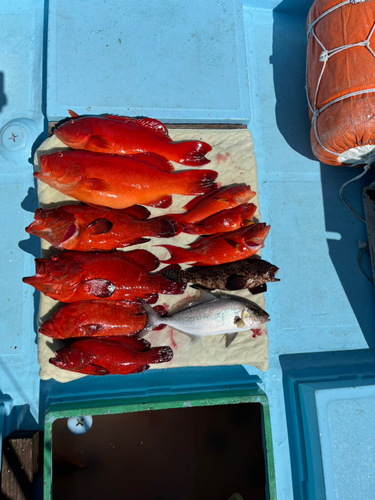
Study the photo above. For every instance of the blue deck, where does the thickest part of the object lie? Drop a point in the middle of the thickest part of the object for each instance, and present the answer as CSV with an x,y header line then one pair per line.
x,y
323,303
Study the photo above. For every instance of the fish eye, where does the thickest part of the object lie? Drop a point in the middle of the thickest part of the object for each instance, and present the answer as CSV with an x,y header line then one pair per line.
x,y
71,121
60,155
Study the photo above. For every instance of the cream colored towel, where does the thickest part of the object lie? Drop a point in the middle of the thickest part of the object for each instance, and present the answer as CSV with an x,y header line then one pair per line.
x,y
232,156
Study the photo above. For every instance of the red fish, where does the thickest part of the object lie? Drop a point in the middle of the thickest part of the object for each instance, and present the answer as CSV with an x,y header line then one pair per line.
x,y
123,135
117,355
221,248
224,221
121,181
74,276
223,198
98,318
87,228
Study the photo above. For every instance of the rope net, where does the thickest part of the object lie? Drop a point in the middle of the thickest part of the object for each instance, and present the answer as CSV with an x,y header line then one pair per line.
x,y
358,152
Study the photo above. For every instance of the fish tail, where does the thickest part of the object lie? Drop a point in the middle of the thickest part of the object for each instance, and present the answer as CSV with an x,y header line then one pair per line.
x,y
162,311
192,182
153,319
165,226
158,355
178,255
191,153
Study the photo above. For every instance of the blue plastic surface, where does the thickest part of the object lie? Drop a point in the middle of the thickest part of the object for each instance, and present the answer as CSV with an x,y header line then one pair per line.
x,y
177,61
319,430
344,417
323,301
21,122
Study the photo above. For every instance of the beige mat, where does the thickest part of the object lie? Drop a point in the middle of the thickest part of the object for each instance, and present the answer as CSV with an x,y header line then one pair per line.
x,y
232,156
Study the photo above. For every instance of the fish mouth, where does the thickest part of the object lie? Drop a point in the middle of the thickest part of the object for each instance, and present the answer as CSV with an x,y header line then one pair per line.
x,y
46,329
44,166
242,194
272,274
265,319
36,228
59,360
62,135
57,233
41,176
40,274
252,244
59,133
255,235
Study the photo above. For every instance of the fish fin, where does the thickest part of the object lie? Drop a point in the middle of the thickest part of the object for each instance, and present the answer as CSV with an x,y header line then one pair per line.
x,y
229,338
97,207
236,282
164,202
156,127
147,260
153,125
159,327
159,355
193,339
178,255
204,239
153,319
197,243
92,369
198,199
99,287
239,322
154,160
192,153
131,341
160,310
164,226
258,289
138,241
90,330
193,182
73,114
138,212
170,287
100,143
142,369
204,296
150,298
233,244
99,226
95,185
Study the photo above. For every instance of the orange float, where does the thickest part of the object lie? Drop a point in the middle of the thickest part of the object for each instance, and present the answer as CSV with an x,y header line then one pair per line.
x,y
341,81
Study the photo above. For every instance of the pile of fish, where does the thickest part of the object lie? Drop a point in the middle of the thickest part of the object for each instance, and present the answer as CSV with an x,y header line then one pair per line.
x,y
114,167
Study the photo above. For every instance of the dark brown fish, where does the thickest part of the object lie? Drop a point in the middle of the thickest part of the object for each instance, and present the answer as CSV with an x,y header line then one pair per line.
x,y
249,273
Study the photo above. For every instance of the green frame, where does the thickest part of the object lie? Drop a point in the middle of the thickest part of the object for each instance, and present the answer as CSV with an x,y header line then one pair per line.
x,y
126,405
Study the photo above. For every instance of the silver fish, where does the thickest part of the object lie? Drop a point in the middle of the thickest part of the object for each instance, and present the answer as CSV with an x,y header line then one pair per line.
x,y
210,315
